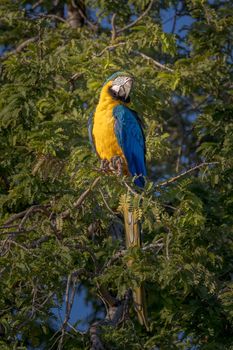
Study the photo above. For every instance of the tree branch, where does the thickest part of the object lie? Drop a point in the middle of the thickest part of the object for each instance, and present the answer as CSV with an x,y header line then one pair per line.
x,y
116,315
114,32
93,26
109,48
155,247
81,199
137,19
69,300
37,242
175,178
52,17
38,3
21,46
37,208
25,213
42,208
73,79
18,232
106,297
106,204
156,63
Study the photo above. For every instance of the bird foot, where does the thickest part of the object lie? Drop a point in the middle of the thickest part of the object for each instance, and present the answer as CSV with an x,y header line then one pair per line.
x,y
116,165
104,165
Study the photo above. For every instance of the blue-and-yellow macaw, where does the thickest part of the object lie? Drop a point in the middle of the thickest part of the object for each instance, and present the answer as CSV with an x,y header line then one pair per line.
x,y
116,133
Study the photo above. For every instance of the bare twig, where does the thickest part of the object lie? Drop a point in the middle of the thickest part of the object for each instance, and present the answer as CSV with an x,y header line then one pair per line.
x,y
155,247
106,204
21,46
81,199
69,300
36,243
93,26
18,232
113,27
75,330
130,188
23,213
84,195
81,12
109,48
95,336
8,226
41,208
46,300
137,19
75,76
175,178
106,297
35,208
116,315
156,63
15,217
58,18
21,246
38,3
72,80
168,239
4,251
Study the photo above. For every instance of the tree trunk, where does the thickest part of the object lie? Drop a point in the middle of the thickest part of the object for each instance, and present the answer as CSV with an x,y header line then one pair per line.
x,y
76,13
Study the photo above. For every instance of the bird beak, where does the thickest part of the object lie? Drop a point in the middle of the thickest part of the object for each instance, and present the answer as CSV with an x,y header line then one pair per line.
x,y
122,86
128,86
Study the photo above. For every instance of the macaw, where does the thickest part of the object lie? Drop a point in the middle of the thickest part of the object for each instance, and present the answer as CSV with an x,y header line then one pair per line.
x,y
116,134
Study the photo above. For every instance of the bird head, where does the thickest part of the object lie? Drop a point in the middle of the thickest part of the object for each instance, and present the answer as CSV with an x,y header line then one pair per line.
x,y
120,86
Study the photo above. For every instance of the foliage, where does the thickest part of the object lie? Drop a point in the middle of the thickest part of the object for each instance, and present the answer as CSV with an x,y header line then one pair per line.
x,y
60,219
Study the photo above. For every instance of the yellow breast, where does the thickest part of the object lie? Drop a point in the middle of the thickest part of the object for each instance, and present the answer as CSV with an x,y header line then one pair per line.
x,y
103,126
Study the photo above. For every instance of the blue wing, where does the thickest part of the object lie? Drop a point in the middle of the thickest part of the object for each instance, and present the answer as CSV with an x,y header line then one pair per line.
x,y
129,133
90,134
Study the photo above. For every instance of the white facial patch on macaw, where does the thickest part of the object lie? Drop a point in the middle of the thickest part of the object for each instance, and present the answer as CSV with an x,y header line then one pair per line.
x,y
122,86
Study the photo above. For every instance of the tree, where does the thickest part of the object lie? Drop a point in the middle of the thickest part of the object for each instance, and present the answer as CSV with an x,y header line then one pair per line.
x,y
61,223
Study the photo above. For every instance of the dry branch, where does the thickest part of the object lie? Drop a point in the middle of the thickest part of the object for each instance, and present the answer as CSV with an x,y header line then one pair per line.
x,y
155,247
93,26
116,315
109,48
81,199
156,63
175,178
38,3
13,233
106,203
34,208
22,46
52,17
25,214
137,19
38,208
69,300
114,31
